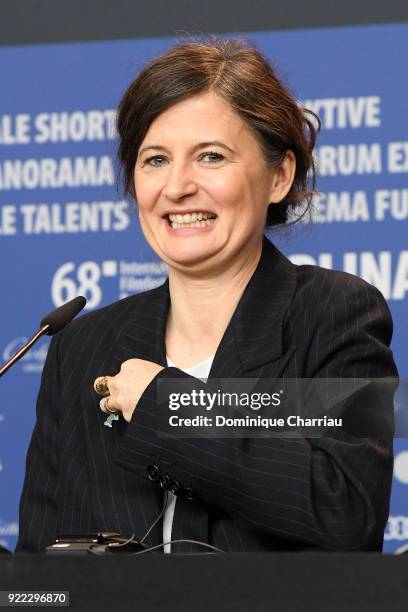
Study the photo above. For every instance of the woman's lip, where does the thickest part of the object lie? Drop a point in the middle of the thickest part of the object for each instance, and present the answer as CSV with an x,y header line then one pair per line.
x,y
189,212
185,231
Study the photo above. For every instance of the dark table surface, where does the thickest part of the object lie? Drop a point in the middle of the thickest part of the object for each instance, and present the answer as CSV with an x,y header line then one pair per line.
x,y
254,582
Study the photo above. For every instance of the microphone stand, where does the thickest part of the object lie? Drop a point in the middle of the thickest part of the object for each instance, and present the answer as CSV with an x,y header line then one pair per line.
x,y
26,347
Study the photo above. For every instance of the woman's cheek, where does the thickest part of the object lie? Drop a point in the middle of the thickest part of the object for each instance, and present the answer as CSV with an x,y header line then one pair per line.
x,y
143,194
147,188
225,192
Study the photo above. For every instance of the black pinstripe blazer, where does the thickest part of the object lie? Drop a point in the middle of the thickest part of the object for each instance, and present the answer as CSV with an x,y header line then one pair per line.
x,y
259,494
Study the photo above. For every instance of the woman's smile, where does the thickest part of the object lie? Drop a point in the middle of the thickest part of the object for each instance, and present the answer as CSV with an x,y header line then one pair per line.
x,y
195,222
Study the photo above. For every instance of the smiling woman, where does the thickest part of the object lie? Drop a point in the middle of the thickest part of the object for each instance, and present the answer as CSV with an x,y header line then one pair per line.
x,y
214,148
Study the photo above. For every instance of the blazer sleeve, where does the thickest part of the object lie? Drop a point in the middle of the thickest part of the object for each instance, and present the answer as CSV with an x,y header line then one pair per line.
x,y
38,503
330,492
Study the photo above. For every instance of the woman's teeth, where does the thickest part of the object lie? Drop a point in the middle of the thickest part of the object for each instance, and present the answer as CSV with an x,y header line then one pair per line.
x,y
191,220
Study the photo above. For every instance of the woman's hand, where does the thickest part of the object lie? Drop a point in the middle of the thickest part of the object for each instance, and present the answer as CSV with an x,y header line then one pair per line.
x,y
126,388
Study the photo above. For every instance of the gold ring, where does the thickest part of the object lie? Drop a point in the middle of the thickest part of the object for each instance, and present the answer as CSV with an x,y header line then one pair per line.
x,y
101,386
106,404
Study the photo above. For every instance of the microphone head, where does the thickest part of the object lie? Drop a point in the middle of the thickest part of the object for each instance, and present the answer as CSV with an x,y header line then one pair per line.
x,y
60,317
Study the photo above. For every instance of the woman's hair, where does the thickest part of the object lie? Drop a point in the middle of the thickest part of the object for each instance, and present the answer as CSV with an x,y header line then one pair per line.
x,y
245,79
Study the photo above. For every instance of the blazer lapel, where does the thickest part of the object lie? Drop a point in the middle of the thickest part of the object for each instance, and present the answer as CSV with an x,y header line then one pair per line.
x,y
143,335
253,337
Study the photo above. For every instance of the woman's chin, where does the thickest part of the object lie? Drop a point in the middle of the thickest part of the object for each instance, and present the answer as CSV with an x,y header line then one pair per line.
x,y
188,258
189,261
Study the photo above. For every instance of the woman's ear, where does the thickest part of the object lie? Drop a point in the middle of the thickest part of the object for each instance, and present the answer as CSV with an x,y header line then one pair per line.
x,y
282,178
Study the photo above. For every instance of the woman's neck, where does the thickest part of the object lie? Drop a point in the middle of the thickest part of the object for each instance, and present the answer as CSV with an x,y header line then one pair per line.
x,y
201,308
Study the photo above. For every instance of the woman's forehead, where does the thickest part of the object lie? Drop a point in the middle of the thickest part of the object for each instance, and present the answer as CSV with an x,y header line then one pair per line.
x,y
202,118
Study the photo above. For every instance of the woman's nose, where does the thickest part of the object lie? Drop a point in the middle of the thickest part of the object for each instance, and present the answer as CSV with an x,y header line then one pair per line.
x,y
180,183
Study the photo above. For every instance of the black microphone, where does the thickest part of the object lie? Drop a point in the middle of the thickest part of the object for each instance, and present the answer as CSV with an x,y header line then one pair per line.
x,y
52,323
60,317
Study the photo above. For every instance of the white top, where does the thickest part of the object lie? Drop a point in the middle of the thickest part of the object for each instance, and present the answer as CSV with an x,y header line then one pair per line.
x,y
201,370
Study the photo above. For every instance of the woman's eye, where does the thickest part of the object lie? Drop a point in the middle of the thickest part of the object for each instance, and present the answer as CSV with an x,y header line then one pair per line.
x,y
155,161
212,157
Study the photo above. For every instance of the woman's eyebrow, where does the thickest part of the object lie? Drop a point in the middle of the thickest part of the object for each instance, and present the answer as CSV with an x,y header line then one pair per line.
x,y
200,145
213,143
156,147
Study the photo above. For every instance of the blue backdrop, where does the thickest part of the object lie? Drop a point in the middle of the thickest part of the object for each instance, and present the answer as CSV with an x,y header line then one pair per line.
x,y
64,228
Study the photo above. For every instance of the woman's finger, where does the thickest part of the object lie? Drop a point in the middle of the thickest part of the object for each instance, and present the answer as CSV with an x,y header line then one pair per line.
x,y
107,405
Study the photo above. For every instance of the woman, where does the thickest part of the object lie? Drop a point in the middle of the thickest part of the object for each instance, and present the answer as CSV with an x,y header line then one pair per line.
x,y
213,149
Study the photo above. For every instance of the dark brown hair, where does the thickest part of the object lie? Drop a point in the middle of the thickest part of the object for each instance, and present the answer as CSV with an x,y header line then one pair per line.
x,y
244,78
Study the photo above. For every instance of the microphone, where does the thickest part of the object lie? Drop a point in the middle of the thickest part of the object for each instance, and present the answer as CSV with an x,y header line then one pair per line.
x,y
51,324
60,317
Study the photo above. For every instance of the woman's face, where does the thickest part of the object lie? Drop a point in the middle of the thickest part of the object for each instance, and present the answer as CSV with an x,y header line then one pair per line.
x,y
197,160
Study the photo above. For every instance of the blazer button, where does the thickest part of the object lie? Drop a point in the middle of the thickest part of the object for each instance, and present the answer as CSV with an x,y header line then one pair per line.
x,y
174,486
188,493
153,473
164,481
